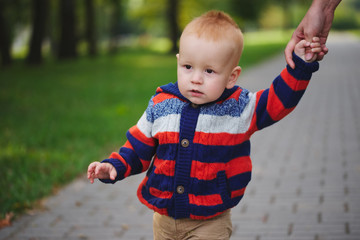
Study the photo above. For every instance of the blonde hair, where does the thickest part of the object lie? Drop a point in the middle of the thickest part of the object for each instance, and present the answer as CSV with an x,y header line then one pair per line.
x,y
217,25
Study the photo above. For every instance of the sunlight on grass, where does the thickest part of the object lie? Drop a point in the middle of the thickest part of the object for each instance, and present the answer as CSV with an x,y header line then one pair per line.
x,y
266,37
162,45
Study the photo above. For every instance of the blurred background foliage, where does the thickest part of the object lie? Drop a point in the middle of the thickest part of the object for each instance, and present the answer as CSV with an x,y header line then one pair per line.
x,y
76,74
38,29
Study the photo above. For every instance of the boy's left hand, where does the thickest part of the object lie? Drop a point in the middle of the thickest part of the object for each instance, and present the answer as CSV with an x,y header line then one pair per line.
x,y
101,170
304,49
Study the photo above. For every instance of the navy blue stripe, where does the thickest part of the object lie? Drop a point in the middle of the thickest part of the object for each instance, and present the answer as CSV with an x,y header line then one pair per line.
x,y
207,153
303,70
220,154
161,182
287,96
158,202
263,118
132,159
239,181
206,187
167,151
207,211
144,151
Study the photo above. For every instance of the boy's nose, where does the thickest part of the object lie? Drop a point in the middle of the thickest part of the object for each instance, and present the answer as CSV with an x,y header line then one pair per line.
x,y
196,78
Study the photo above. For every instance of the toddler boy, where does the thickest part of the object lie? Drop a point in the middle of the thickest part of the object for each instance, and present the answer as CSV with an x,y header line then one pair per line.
x,y
193,138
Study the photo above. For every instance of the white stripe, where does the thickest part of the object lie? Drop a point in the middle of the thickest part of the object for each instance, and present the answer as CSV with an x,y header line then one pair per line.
x,y
144,126
228,124
206,123
169,123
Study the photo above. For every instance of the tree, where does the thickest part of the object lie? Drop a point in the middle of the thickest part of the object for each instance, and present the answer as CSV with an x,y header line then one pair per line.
x,y
5,45
90,27
172,14
247,11
68,41
40,9
115,23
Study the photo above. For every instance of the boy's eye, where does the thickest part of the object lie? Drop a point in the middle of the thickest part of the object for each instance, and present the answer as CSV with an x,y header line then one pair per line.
x,y
187,66
209,71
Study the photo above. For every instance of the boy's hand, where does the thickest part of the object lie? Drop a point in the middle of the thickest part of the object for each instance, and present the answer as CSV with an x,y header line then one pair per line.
x,y
304,49
101,170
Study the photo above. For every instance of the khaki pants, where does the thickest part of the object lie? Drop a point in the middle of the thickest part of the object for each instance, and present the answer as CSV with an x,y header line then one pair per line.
x,y
217,228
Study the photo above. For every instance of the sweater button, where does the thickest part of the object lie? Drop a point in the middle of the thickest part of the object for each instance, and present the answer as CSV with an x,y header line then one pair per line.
x,y
180,189
185,143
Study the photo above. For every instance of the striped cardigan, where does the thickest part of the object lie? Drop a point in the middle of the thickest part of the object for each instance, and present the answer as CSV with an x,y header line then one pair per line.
x,y
198,157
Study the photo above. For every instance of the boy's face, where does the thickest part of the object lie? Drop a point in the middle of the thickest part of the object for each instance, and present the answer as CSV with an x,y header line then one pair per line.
x,y
205,68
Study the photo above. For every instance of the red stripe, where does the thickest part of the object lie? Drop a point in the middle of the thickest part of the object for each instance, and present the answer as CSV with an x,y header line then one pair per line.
x,y
116,155
209,171
205,171
162,97
162,211
292,82
238,166
192,216
159,90
275,107
128,145
219,139
205,200
253,127
235,96
237,193
135,132
145,164
167,137
164,167
160,194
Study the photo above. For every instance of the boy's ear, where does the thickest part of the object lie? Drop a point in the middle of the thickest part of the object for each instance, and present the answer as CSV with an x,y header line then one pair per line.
x,y
233,77
177,56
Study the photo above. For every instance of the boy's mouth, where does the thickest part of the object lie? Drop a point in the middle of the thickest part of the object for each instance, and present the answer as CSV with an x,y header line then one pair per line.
x,y
196,93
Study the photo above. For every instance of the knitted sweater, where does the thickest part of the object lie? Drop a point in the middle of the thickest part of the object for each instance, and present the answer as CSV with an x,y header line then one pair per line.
x,y
200,154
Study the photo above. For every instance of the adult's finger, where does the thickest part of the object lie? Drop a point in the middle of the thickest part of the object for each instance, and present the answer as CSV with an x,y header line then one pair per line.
x,y
288,53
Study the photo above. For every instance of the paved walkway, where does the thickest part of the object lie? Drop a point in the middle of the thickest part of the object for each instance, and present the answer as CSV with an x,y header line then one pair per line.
x,y
305,181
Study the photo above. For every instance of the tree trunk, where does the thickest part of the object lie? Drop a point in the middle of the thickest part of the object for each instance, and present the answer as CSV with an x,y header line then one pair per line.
x,y
5,45
115,26
90,27
173,26
67,45
287,14
40,9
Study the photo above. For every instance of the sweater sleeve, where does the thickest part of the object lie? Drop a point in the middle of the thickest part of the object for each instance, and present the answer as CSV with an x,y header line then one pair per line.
x,y
136,154
284,94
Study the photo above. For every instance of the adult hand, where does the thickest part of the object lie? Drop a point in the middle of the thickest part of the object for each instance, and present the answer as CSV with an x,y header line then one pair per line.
x,y
316,23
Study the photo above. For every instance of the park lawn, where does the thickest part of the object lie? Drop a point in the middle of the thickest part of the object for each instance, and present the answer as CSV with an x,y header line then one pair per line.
x,y
57,118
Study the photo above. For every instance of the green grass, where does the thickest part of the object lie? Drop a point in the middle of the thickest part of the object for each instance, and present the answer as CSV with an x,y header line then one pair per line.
x,y
57,118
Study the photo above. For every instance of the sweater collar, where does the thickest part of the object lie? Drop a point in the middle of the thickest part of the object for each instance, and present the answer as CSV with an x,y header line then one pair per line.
x,y
172,88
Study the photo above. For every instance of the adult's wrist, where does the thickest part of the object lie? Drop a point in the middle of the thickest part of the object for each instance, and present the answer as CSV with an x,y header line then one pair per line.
x,y
325,5
332,5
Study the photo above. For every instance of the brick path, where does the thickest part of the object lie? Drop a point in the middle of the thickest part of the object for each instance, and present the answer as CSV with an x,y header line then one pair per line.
x,y
305,181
